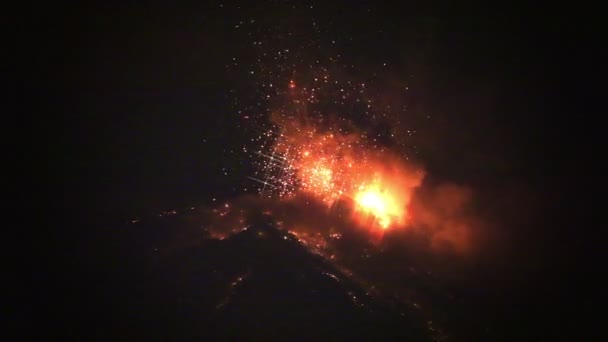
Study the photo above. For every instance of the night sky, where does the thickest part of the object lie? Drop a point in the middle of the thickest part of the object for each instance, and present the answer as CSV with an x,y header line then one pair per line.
x,y
141,111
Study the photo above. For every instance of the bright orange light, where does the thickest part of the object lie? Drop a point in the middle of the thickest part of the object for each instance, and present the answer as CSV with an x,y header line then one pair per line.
x,y
335,167
380,204
318,177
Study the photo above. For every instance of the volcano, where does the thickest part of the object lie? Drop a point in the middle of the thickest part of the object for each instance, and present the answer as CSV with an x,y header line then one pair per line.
x,y
172,281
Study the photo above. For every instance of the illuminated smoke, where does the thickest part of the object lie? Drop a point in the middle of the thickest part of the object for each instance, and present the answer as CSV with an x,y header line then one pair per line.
x,y
334,161
331,142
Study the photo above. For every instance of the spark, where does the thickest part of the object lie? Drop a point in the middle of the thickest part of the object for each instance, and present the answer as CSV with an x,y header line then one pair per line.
x,y
312,136
261,181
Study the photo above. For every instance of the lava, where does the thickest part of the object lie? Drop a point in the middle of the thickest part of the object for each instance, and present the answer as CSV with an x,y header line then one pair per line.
x,y
321,143
337,167
380,204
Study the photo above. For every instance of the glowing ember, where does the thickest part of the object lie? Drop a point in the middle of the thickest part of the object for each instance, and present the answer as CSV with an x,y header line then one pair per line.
x,y
319,144
336,167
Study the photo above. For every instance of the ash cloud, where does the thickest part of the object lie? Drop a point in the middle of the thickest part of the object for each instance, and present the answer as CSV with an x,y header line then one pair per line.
x,y
444,214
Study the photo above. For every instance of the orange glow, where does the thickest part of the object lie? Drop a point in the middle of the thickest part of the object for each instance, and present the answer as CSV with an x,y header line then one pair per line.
x,y
342,167
335,163
380,204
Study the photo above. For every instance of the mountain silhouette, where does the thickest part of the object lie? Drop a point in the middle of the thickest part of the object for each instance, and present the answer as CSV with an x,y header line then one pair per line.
x,y
258,283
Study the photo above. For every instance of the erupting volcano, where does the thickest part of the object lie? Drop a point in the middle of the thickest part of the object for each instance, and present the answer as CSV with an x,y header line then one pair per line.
x,y
334,161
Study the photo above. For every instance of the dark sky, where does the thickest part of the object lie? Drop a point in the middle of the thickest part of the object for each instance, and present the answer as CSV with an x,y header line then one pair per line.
x,y
148,86
150,124
135,112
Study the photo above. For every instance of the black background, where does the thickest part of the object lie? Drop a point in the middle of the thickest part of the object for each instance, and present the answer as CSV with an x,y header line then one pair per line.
x,y
124,110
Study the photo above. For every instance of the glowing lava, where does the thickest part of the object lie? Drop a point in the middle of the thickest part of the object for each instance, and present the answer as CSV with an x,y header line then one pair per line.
x,y
334,162
335,167
380,204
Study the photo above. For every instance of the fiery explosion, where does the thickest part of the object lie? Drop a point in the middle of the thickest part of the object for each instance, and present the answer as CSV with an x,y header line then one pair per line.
x,y
338,165
380,204
325,133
